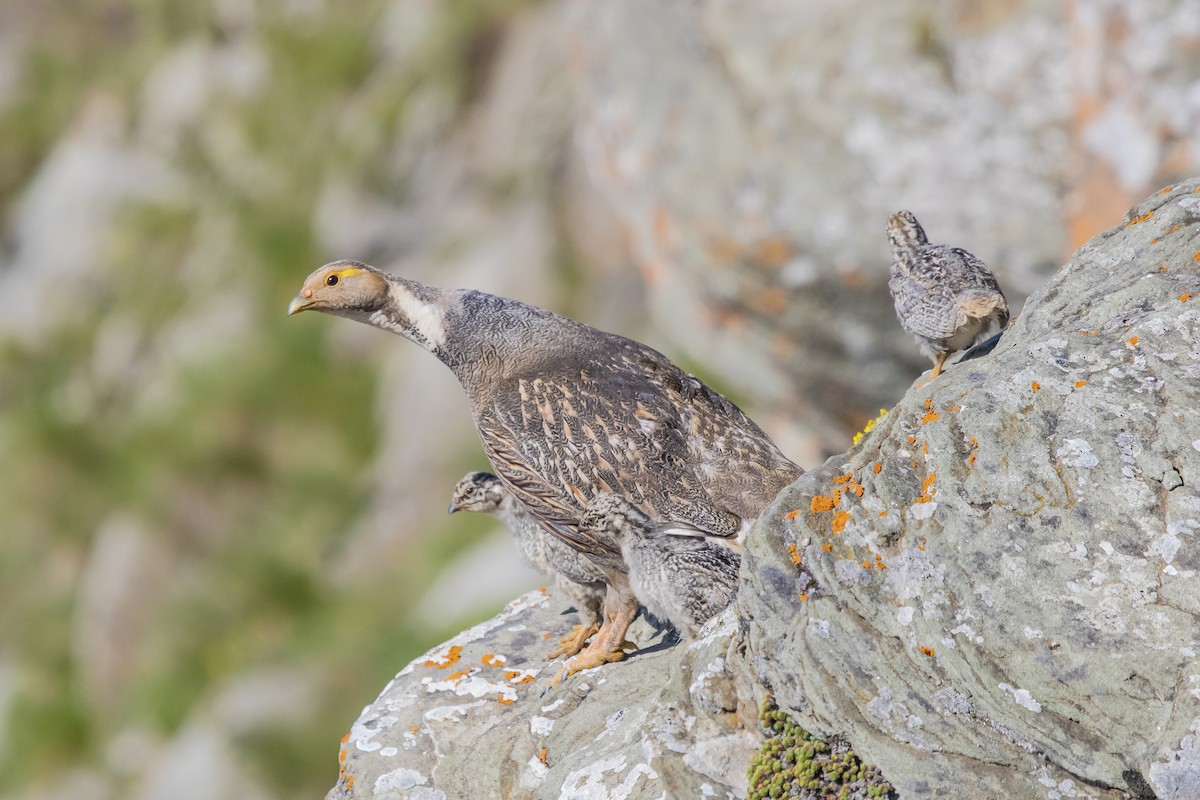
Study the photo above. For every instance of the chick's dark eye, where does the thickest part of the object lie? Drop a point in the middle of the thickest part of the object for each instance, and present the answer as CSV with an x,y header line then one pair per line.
x,y
331,280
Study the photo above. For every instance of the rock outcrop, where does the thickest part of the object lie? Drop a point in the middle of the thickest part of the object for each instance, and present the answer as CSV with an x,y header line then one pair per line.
x,y
994,594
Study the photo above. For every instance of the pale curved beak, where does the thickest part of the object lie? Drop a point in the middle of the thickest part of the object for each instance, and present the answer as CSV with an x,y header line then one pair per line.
x,y
299,303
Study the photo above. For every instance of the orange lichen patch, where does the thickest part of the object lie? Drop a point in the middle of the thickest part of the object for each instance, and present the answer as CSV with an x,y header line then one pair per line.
x,y
1035,386
1142,218
844,478
510,674
1166,190
879,562
867,564
930,416
1133,340
792,514
928,651
444,662
542,756
350,783
929,402
883,513
547,635
971,440
490,660
517,676
877,468
794,554
774,252
462,673
840,519
823,503
913,464
1196,256
1183,298
827,547
414,730
804,597
912,440
1080,384
1154,241
345,738
927,490
855,488
971,458
505,701
925,448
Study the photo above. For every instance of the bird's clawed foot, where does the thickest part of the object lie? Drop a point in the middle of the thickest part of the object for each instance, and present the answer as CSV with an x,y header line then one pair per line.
x,y
573,642
589,658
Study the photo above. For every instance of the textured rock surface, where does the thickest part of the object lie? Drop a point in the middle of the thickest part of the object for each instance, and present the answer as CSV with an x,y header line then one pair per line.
x,y
993,595
474,717
999,585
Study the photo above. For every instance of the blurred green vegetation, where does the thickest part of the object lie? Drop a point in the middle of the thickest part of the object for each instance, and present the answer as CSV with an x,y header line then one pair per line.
x,y
252,459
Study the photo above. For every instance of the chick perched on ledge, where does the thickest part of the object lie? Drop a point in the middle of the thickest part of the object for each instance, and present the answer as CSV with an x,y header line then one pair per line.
x,y
573,573
685,580
945,297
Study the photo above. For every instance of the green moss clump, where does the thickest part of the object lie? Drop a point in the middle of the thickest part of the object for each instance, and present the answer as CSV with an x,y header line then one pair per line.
x,y
792,764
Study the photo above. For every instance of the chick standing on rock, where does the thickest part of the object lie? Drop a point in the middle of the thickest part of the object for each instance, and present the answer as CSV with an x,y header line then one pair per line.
x,y
685,580
945,297
577,577
565,412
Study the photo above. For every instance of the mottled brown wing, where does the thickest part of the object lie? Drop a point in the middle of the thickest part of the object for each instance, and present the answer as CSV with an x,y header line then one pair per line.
x,y
616,426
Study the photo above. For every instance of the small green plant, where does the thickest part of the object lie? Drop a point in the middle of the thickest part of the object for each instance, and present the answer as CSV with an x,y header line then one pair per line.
x,y
794,764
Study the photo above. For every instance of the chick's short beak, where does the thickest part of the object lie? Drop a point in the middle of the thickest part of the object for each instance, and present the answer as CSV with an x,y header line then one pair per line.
x,y
453,507
301,302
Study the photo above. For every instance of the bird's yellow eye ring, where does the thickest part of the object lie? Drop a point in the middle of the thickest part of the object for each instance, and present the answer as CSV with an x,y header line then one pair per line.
x,y
331,280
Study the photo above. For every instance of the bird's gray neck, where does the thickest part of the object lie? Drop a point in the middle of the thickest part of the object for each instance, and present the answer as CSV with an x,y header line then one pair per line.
x,y
488,337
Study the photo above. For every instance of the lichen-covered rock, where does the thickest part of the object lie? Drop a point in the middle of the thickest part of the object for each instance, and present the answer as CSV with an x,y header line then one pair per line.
x,y
998,588
475,717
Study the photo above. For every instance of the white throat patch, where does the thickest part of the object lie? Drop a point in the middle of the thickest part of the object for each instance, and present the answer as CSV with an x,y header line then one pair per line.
x,y
428,321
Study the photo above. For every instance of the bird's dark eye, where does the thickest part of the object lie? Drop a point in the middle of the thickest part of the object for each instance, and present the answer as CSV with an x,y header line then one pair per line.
x,y
331,280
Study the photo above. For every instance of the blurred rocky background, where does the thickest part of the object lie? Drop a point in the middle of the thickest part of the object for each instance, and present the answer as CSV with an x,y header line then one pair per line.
x,y
221,530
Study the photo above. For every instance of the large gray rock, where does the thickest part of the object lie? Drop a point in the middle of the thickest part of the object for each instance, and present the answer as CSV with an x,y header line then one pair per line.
x,y
475,717
994,595
998,588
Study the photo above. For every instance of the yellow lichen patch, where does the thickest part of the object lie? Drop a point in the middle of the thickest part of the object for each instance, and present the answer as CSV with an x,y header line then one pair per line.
x,y
792,514
1035,386
490,660
928,651
446,660
794,554
827,547
1133,340
930,416
1183,298
1080,384
870,426
824,503
1142,218
844,478
877,468
840,518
